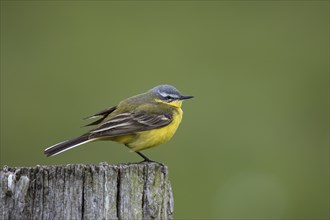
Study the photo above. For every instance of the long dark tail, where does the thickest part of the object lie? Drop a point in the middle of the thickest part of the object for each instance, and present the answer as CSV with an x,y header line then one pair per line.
x,y
66,145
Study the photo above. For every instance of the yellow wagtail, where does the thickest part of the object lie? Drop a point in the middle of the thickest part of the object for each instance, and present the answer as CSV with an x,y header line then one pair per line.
x,y
140,122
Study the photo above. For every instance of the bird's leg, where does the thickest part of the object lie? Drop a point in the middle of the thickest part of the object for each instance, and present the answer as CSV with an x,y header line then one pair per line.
x,y
146,159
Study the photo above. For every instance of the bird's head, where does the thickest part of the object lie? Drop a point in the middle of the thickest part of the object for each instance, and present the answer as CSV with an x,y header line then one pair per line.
x,y
169,94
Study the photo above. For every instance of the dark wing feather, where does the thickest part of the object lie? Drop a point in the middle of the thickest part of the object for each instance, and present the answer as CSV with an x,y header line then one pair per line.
x,y
130,123
103,114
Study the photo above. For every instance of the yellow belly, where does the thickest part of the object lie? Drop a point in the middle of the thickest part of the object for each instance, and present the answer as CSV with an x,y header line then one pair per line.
x,y
147,139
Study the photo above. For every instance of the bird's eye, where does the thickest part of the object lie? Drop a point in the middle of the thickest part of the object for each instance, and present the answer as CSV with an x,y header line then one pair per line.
x,y
169,98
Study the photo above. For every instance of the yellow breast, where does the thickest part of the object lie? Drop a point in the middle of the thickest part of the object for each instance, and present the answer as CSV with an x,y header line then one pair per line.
x,y
152,138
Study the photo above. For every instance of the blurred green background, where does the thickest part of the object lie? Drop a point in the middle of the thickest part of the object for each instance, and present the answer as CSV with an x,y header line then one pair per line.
x,y
254,142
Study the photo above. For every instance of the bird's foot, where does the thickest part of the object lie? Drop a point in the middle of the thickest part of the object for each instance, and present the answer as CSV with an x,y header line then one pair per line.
x,y
147,160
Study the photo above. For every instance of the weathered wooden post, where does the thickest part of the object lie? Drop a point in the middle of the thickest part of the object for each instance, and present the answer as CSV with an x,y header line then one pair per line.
x,y
124,191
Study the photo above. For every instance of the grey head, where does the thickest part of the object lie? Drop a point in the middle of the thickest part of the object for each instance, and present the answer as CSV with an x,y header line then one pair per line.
x,y
168,93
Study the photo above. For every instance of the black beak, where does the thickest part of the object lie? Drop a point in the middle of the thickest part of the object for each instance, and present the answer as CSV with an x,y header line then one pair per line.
x,y
186,97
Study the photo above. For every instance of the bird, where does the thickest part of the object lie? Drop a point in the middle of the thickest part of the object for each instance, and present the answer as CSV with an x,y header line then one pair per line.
x,y
139,122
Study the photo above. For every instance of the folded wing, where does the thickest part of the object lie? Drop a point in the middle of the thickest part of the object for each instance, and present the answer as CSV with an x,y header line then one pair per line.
x,y
130,123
